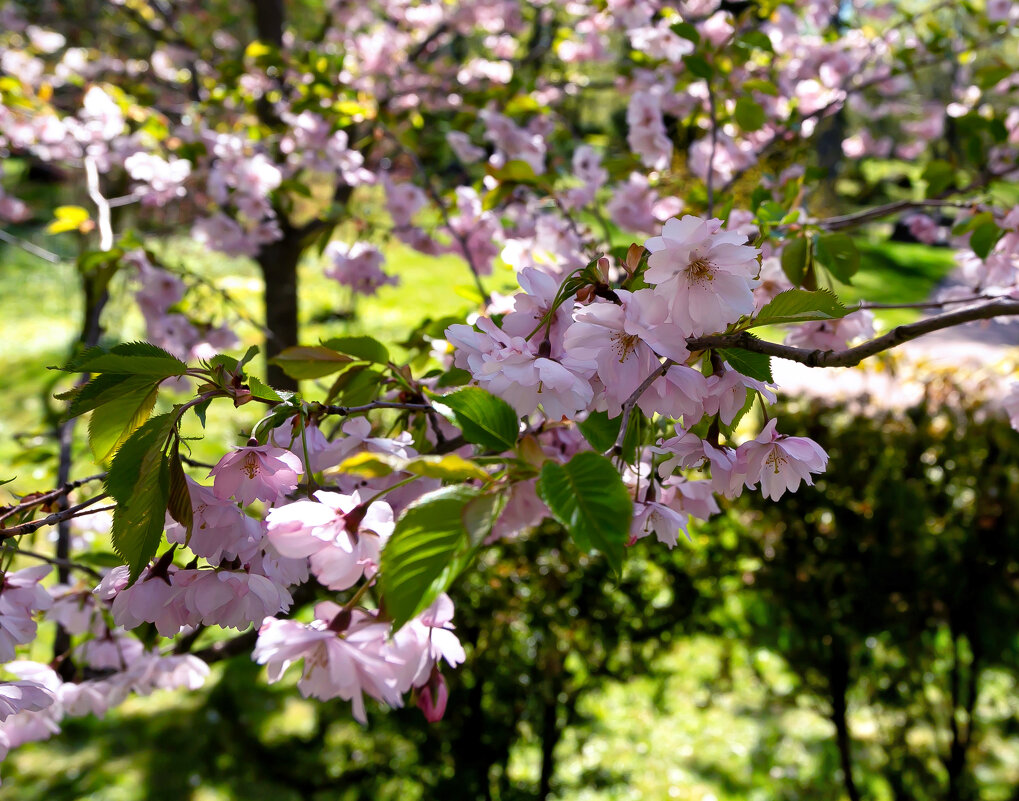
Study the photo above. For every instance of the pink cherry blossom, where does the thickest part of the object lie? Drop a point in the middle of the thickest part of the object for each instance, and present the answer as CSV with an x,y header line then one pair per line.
x,y
21,595
231,599
832,334
727,393
358,266
256,472
220,530
433,697
347,664
780,463
647,136
464,149
512,369
16,696
706,274
342,536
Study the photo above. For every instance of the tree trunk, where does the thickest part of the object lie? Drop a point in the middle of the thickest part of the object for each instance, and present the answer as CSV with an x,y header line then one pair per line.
x,y
278,262
838,680
551,733
269,21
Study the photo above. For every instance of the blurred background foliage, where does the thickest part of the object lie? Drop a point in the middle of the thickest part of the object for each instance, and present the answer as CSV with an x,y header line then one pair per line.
x,y
857,639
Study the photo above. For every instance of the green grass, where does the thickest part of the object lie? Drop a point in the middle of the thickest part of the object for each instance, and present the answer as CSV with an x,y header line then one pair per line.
x,y
897,272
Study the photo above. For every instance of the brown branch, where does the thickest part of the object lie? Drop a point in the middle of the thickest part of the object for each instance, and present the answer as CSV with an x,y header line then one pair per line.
x,y
343,411
65,563
853,356
29,247
38,500
53,519
888,209
617,446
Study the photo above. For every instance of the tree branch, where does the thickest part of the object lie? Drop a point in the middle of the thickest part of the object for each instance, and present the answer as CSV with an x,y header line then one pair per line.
x,y
853,356
65,563
53,519
617,446
38,500
343,411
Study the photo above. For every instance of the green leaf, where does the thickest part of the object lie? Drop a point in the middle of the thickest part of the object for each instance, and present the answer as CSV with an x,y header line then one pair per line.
x,y
838,253
357,386
454,377
448,467
428,545
939,175
516,171
99,559
6,481
179,500
133,358
262,391
123,473
139,480
588,497
984,238
686,31
113,422
796,259
304,361
755,365
101,389
749,114
799,305
600,430
972,223
988,76
365,349
755,39
760,85
698,66
485,420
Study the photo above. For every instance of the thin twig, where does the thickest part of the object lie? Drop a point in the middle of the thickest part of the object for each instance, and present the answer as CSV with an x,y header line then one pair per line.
x,y
617,446
853,356
65,563
930,304
102,206
343,411
888,209
38,500
28,247
56,517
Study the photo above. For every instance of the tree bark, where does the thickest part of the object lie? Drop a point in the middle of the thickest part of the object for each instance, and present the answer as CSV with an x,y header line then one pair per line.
x,y
278,262
838,680
269,21
550,736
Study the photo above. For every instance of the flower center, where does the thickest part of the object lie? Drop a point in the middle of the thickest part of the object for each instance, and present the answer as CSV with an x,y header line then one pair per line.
x,y
250,465
775,460
700,271
624,344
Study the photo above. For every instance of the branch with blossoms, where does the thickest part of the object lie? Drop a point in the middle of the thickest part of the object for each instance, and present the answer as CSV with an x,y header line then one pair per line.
x,y
855,355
